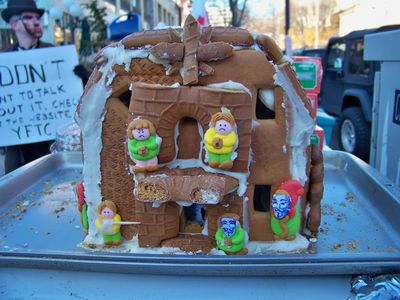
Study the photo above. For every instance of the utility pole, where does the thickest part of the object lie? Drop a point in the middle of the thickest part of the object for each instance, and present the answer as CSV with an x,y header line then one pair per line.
x,y
316,43
288,40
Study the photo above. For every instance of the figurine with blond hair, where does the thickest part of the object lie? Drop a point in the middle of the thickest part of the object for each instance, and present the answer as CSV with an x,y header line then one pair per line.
x,y
108,223
221,139
143,145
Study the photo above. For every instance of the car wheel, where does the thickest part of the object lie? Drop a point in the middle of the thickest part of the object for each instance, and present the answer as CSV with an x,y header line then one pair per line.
x,y
354,133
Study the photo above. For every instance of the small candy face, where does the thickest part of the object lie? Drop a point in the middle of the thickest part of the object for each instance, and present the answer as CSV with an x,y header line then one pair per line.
x,y
228,226
280,205
107,213
141,134
223,127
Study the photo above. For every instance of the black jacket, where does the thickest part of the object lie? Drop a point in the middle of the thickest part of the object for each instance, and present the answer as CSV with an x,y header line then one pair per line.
x,y
14,47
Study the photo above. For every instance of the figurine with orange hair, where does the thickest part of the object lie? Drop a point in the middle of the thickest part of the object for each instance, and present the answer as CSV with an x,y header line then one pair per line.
x,y
220,140
143,145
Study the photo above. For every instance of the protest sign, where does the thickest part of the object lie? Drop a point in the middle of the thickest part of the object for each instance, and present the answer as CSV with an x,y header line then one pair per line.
x,y
38,93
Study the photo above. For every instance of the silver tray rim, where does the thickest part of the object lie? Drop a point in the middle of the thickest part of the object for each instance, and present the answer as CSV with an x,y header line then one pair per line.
x,y
210,265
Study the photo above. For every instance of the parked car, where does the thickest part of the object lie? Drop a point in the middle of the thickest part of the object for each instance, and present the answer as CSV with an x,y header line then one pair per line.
x,y
347,89
311,52
123,26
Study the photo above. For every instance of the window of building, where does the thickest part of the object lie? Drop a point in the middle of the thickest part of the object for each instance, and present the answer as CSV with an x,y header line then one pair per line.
x,y
262,198
194,215
126,98
265,104
159,12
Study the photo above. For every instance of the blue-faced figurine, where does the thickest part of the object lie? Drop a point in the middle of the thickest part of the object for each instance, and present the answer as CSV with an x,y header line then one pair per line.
x,y
230,236
285,216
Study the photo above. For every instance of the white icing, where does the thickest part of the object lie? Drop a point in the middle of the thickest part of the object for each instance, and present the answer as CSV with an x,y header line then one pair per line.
x,y
158,61
254,247
230,85
175,85
184,203
297,245
267,97
239,48
156,204
119,55
285,59
90,120
257,48
160,175
111,76
209,196
299,130
176,135
234,153
158,142
254,124
246,223
205,228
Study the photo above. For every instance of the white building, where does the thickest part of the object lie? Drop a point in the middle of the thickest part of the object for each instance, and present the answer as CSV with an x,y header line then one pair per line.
x,y
364,14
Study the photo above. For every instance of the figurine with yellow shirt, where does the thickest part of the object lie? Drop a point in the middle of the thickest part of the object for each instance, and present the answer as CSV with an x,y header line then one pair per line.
x,y
108,223
221,140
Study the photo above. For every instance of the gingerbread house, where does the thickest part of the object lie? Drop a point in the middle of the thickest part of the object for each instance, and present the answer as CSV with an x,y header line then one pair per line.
x,y
178,79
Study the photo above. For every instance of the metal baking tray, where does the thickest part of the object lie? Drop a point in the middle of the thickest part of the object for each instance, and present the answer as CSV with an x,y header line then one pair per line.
x,y
40,227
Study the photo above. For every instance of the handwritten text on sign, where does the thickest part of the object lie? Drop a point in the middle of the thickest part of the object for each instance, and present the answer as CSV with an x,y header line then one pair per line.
x,y
38,93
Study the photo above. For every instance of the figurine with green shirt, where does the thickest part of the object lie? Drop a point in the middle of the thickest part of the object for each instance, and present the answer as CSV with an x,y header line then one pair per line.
x,y
230,236
143,145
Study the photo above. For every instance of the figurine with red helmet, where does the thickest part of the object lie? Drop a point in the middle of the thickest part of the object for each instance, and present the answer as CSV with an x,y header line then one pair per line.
x,y
285,216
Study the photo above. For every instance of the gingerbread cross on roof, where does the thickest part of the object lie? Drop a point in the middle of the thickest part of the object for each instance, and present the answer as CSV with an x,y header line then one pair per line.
x,y
193,53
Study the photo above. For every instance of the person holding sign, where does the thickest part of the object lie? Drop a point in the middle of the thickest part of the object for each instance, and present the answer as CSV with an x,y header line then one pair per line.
x,y
25,20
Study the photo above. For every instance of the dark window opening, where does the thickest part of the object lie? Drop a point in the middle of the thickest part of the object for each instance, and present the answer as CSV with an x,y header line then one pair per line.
x,y
126,98
188,139
193,218
262,198
263,112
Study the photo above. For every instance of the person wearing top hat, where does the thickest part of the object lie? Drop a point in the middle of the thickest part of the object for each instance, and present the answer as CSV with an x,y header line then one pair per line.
x,y
25,20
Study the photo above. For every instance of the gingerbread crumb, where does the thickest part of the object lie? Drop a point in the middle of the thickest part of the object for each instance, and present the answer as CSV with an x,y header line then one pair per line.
x,y
91,246
352,245
350,197
340,217
337,246
56,211
327,210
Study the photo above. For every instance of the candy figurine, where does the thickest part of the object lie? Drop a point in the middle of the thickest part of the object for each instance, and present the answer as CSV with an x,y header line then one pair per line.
x,y
108,223
82,206
285,217
143,145
230,236
220,140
